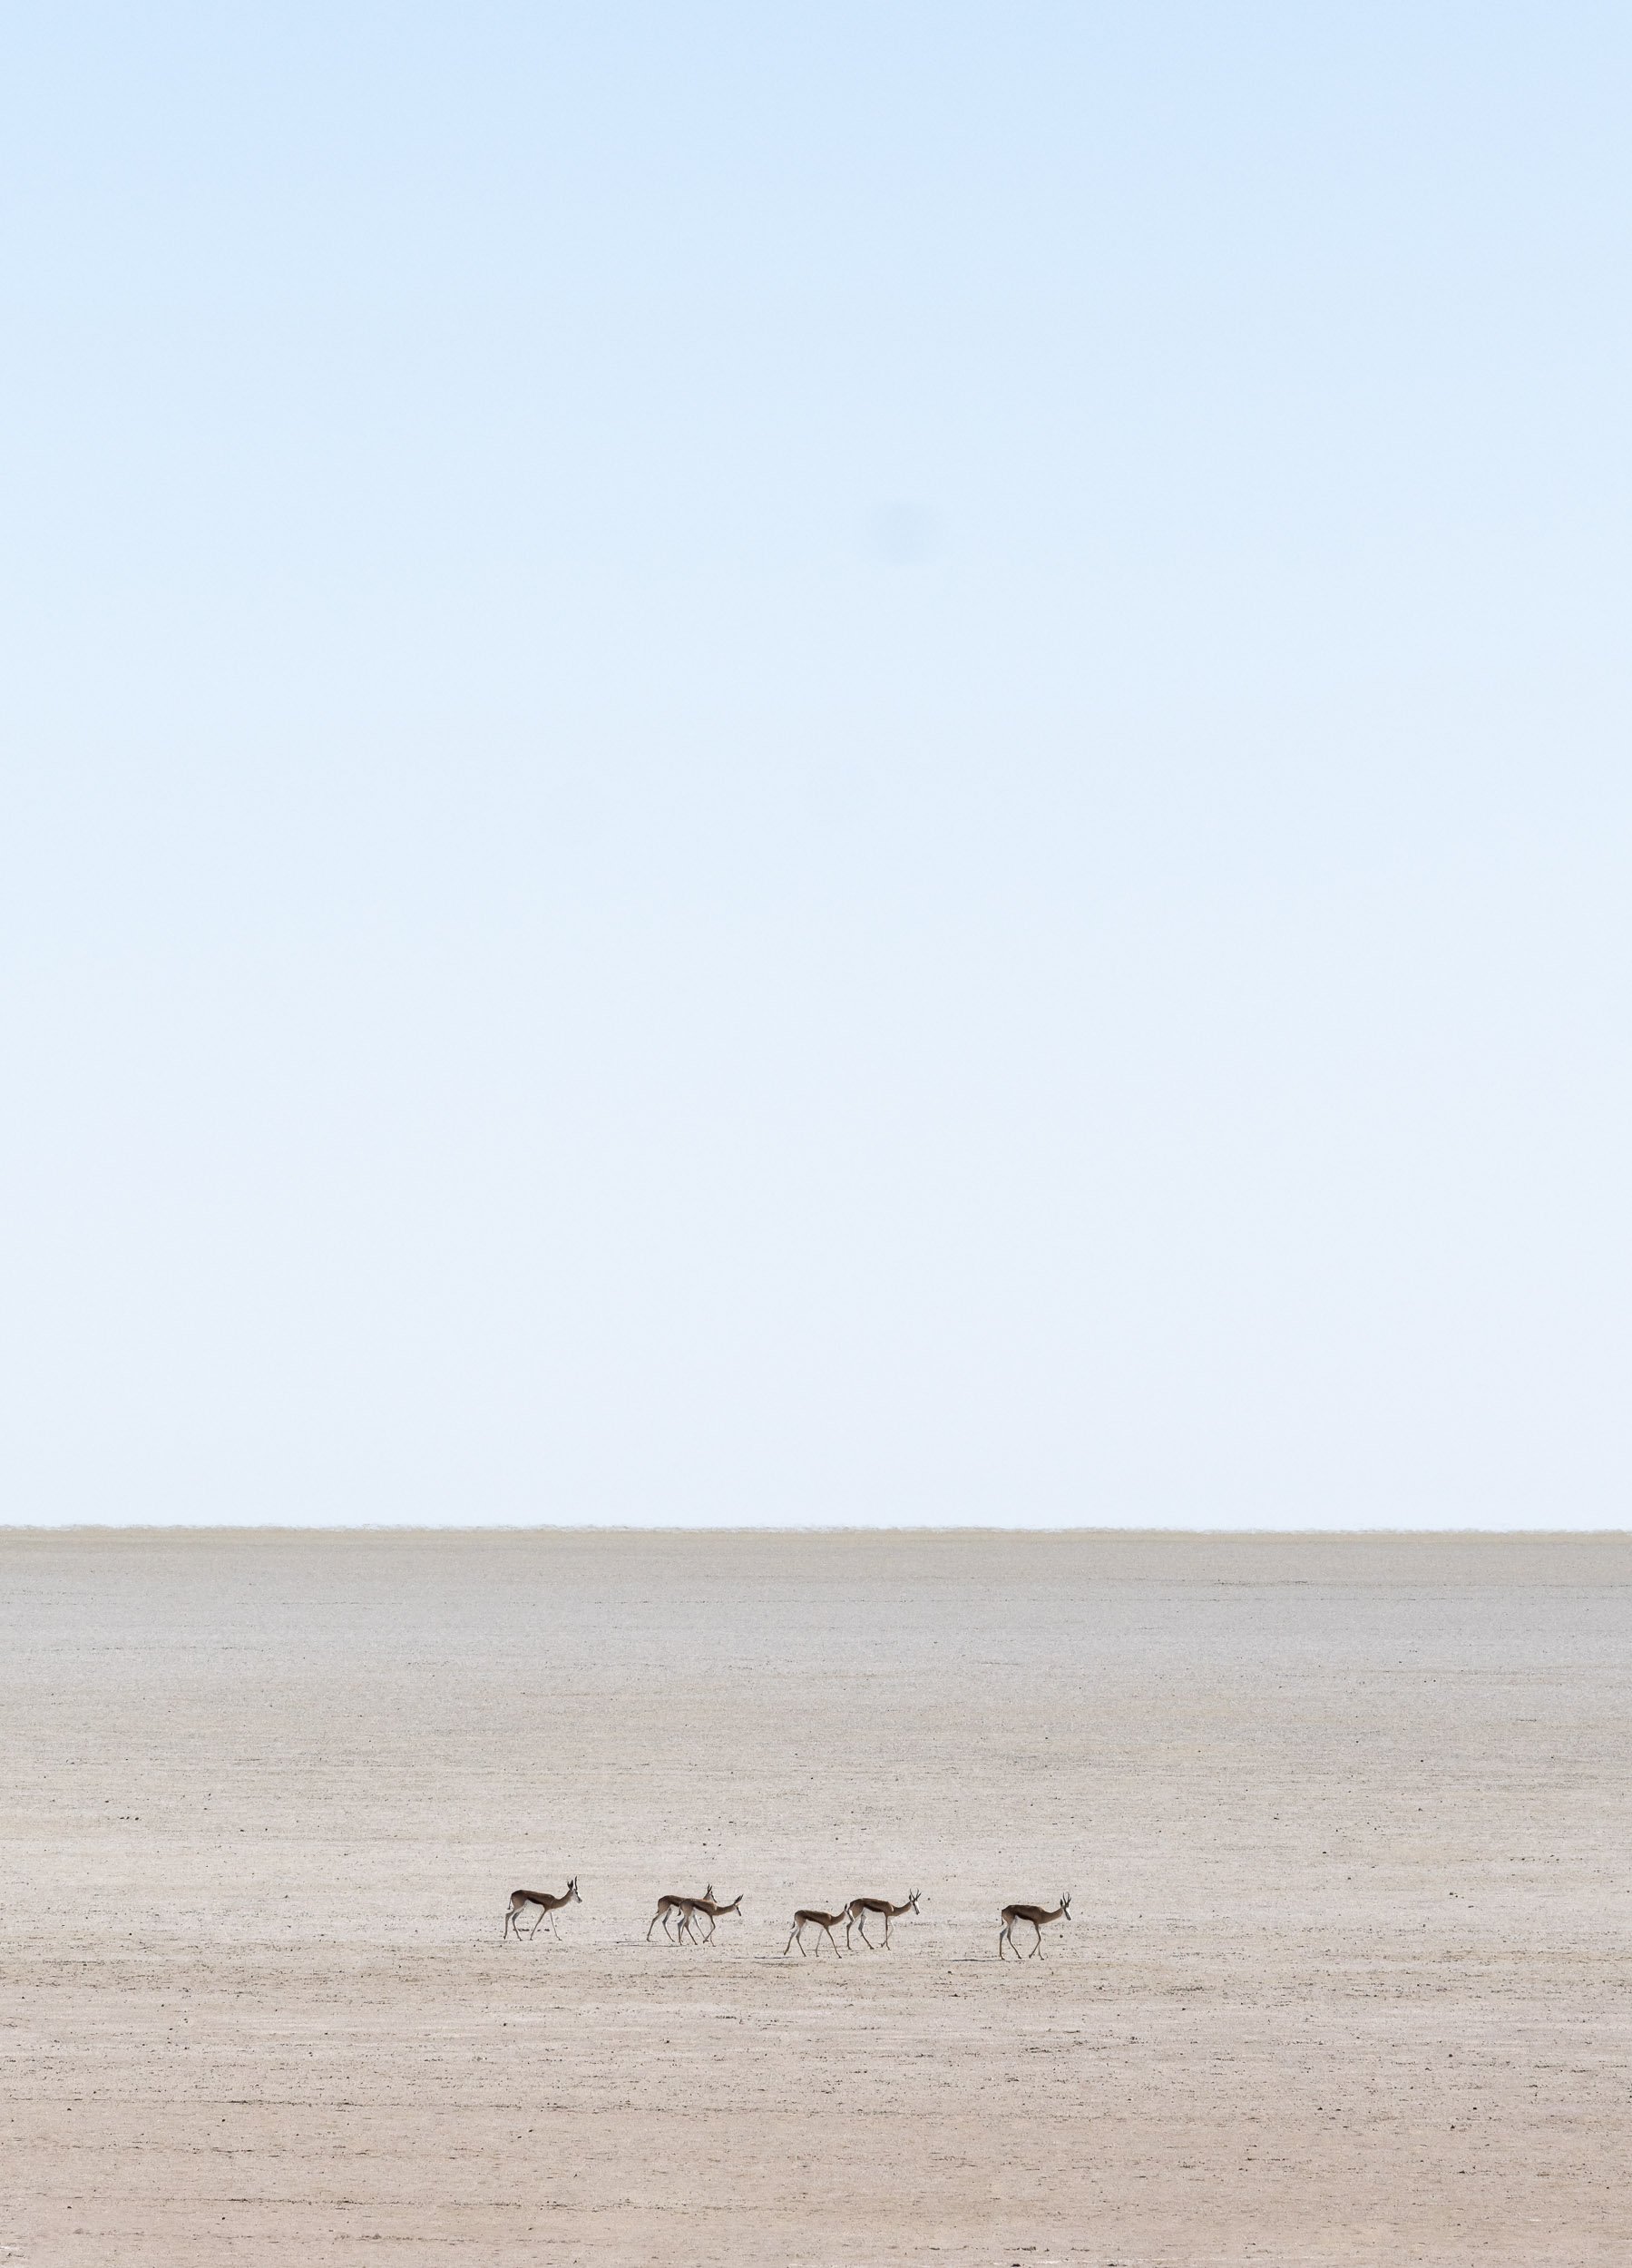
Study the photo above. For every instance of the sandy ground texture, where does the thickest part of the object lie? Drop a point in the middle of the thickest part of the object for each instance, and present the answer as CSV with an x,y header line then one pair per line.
x,y
1345,1821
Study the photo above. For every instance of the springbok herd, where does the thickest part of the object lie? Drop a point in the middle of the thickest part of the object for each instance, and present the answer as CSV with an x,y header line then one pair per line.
x,y
686,1913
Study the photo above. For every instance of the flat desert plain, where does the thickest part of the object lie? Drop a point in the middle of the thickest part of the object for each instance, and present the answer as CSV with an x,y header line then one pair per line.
x,y
1344,1819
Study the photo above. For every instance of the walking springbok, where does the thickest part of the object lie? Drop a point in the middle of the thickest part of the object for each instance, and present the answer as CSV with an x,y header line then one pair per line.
x,y
827,1922
522,1899
713,1907
858,1910
682,1909
1036,1916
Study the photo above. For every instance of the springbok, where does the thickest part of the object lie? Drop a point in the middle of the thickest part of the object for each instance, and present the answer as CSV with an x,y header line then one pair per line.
x,y
522,1899
682,1910
708,1904
825,1921
1036,1916
858,1910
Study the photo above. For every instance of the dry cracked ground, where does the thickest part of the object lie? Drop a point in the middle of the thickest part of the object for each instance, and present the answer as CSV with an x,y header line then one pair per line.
x,y
1344,1819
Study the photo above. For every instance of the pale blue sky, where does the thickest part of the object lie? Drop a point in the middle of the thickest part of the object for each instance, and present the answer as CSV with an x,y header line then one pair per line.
x,y
853,764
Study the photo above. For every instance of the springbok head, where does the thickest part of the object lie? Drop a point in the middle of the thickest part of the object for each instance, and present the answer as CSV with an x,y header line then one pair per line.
x,y
1065,1904
912,1897
573,1891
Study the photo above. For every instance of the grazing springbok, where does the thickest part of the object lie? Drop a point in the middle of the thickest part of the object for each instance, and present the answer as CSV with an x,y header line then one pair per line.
x,y
520,1899
1036,1916
858,1910
826,1922
682,1910
708,1904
